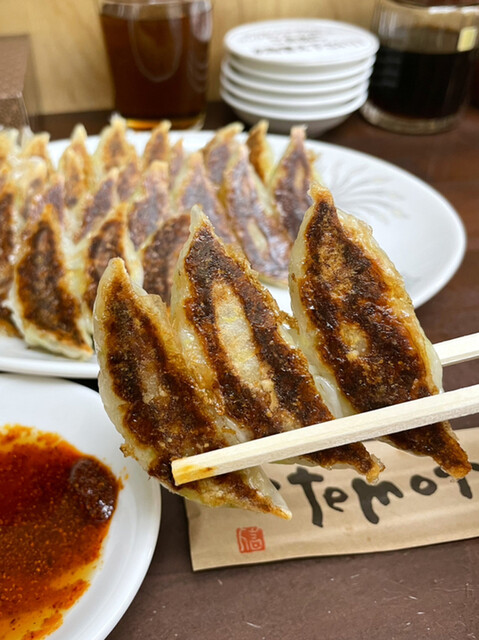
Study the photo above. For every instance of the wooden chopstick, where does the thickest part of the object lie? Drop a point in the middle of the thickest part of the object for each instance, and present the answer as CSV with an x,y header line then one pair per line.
x,y
458,349
360,427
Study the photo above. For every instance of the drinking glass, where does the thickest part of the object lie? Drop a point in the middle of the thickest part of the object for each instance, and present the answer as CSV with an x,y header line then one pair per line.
x,y
424,65
158,55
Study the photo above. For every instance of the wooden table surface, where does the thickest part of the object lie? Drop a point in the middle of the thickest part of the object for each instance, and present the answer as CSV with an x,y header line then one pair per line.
x,y
430,592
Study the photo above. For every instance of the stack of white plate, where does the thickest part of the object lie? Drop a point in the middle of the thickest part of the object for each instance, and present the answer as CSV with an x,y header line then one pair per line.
x,y
300,71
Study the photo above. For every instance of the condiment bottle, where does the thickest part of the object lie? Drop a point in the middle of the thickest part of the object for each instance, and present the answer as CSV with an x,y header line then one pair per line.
x,y
424,65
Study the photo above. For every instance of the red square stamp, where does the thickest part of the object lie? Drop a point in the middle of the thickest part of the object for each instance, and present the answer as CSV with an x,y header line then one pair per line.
x,y
250,539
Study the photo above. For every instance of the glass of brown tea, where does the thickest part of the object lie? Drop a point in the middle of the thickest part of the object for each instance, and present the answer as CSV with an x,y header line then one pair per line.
x,y
423,69
158,55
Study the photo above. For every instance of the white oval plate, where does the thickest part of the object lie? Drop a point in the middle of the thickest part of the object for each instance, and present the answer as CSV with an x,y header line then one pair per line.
x,y
413,223
76,413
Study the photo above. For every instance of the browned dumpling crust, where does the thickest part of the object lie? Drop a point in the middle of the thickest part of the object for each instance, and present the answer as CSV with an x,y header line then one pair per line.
x,y
219,150
54,194
194,187
37,147
251,216
110,240
234,335
114,150
156,404
260,153
151,204
291,181
46,309
76,167
97,204
129,177
158,145
160,255
358,322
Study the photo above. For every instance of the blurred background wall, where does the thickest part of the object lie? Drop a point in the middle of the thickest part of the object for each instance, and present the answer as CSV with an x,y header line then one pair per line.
x,y
69,59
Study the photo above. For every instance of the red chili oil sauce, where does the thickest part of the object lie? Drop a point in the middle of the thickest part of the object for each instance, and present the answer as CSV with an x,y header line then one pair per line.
x,y
55,510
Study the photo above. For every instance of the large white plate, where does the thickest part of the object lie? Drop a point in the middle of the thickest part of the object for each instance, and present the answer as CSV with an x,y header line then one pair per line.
x,y
76,413
413,223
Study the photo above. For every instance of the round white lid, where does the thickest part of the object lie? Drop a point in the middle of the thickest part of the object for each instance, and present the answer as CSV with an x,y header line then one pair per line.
x,y
306,42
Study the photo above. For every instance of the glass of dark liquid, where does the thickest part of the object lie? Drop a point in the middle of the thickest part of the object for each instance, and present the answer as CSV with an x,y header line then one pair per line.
x,y
158,55
424,66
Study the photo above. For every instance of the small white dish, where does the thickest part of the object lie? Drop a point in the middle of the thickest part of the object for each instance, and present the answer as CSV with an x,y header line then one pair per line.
x,y
306,89
300,76
282,119
76,413
289,100
300,43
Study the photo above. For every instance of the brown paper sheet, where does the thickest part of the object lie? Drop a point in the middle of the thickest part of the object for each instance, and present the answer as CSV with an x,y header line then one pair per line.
x,y
336,512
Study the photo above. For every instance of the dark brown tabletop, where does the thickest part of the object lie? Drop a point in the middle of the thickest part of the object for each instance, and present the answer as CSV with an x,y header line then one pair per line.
x,y
430,592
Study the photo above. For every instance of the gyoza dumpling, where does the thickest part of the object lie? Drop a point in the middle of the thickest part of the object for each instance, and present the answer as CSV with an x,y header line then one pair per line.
x,y
260,233
109,240
260,153
194,187
235,338
45,306
114,150
290,182
151,203
95,205
358,326
37,147
156,404
76,166
54,194
178,157
30,176
160,253
219,150
158,145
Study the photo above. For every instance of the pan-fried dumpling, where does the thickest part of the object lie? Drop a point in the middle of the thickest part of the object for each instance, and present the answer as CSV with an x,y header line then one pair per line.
x,y
155,403
235,338
219,150
129,178
158,145
160,253
45,306
31,178
358,326
194,187
291,180
259,231
37,147
260,153
95,205
54,194
114,150
76,166
178,157
151,204
109,240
